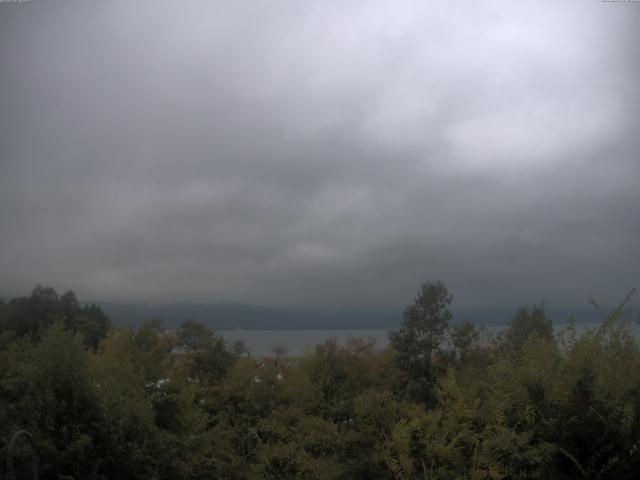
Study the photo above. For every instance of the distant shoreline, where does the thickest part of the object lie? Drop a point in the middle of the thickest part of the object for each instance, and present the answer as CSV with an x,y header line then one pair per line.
x,y
260,342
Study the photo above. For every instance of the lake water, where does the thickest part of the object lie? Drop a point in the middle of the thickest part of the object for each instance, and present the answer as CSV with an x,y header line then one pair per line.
x,y
261,342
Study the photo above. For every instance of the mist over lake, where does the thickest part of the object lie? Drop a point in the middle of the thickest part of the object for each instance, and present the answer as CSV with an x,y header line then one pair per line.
x,y
261,343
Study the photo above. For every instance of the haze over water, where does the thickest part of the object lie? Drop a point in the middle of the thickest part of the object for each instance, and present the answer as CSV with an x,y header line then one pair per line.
x,y
261,342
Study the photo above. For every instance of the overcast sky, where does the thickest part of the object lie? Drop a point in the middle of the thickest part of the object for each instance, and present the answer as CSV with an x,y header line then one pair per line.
x,y
321,154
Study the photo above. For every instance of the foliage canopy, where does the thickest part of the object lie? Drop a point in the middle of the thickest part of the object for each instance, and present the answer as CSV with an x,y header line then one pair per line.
x,y
441,402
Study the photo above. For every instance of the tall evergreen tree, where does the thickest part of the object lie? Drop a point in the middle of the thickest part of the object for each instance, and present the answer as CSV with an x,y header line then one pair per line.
x,y
420,338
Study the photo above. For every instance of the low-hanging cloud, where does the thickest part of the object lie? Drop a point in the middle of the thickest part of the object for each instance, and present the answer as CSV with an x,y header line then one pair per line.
x,y
320,154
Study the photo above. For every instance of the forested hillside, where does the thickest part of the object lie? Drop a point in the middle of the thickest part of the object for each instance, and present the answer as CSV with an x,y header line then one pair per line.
x,y
442,402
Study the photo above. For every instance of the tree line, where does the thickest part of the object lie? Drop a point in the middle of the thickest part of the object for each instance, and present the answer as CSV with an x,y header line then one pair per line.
x,y
440,402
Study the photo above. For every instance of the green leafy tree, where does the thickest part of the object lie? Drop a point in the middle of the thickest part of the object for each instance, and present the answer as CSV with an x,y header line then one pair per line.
x,y
296,445
239,348
420,338
339,374
525,323
193,335
31,317
523,406
464,338
124,381
54,396
206,353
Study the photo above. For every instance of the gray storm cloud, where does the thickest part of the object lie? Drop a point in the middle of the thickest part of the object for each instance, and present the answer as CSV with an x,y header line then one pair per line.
x,y
320,154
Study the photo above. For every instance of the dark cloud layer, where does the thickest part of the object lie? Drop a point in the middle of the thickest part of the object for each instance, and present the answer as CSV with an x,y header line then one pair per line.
x,y
320,154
